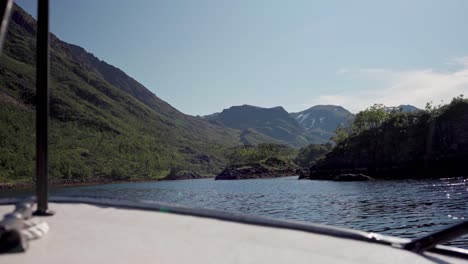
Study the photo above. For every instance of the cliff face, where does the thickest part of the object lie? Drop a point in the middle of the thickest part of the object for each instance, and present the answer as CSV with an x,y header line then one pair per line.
x,y
409,145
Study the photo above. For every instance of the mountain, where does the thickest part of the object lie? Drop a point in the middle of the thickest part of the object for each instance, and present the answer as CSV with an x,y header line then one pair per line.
x,y
408,108
403,108
266,124
320,121
104,124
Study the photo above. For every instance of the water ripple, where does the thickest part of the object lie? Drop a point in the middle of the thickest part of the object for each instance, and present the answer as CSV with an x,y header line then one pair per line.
x,y
407,208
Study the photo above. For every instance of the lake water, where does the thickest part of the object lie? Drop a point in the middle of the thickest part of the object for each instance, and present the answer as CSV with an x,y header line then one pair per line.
x,y
408,208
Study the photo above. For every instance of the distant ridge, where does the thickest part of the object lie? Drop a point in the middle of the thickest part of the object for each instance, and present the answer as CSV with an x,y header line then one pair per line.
x,y
403,108
320,121
274,123
312,126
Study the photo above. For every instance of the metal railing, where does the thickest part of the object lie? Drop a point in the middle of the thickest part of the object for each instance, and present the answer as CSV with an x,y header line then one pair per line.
x,y
42,108
42,96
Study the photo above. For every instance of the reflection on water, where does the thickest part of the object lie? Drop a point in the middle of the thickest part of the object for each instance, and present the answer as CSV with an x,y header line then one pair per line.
x,y
407,208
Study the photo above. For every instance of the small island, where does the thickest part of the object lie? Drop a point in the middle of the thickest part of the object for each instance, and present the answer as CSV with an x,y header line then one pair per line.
x,y
262,161
269,168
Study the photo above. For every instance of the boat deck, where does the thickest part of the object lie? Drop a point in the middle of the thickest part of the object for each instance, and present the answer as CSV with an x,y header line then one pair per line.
x,y
83,233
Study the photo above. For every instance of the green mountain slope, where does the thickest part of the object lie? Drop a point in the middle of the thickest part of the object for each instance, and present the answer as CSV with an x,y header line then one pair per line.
x,y
104,124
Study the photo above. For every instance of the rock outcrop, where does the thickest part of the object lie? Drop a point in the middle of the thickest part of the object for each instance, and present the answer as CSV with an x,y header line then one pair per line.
x,y
412,145
184,175
269,168
352,177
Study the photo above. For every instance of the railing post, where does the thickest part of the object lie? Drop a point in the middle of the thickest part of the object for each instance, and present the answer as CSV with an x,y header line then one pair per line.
x,y
5,11
434,239
42,108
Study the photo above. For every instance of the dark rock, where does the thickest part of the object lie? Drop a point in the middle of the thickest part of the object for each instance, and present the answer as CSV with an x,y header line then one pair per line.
x,y
303,173
271,168
184,175
275,162
352,177
186,150
203,157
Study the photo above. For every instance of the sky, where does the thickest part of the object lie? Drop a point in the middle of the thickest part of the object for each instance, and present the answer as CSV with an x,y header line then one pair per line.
x,y
206,55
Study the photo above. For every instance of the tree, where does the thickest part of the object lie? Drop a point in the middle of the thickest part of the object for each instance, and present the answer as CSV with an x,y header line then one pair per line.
x,y
370,118
251,154
341,134
309,155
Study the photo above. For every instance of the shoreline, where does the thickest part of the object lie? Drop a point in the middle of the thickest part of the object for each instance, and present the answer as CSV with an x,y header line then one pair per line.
x,y
270,175
74,183
66,183
258,176
401,173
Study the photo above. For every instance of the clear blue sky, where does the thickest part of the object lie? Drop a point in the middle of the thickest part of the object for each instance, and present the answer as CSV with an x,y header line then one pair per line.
x,y
205,55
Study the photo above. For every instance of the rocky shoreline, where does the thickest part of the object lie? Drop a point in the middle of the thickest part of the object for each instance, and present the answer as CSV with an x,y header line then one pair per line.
x,y
185,175
343,177
182,175
415,171
65,183
271,168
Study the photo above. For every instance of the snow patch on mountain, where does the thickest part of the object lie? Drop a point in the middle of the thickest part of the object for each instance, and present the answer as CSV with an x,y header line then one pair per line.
x,y
302,117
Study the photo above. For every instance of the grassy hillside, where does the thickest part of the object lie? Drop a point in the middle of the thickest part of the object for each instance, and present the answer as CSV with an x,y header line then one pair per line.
x,y
241,155
104,124
309,155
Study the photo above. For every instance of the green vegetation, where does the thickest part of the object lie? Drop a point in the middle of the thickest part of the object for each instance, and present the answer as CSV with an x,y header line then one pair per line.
x,y
396,144
17,143
252,154
104,124
262,161
371,118
309,155
373,131
340,135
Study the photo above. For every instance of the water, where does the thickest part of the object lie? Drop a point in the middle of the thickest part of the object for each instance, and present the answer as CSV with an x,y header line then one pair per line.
x,y
407,208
